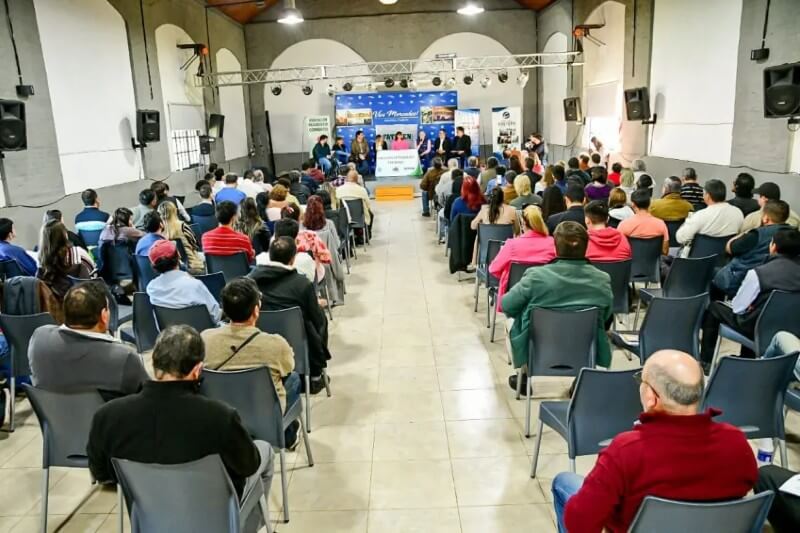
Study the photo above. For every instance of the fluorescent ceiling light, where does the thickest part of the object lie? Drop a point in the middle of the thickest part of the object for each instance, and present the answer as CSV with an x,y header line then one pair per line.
x,y
471,8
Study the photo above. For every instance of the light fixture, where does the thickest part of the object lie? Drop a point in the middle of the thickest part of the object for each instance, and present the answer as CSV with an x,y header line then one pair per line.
x,y
370,85
502,77
404,83
347,86
307,89
412,84
468,79
331,90
436,81
450,83
522,79
389,82
290,14
388,2
276,90
471,8
486,81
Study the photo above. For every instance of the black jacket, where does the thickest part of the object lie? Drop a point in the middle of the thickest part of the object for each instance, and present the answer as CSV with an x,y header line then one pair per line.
x,y
300,191
170,423
461,241
585,178
282,288
203,210
574,213
464,143
445,145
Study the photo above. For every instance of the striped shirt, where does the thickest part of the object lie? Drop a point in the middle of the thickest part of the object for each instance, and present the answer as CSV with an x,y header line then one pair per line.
x,y
225,241
693,193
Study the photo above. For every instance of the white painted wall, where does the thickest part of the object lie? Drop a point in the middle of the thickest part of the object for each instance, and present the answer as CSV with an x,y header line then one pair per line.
x,y
554,89
231,104
91,90
693,78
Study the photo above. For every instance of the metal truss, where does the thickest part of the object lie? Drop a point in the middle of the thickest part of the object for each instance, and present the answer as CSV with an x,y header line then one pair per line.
x,y
379,70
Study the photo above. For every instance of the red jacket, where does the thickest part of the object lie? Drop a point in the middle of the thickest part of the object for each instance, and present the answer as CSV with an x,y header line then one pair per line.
x,y
688,458
607,244
225,241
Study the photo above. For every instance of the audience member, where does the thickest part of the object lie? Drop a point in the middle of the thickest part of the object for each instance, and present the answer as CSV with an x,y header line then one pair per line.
x,y
147,203
605,244
767,191
639,168
308,241
445,184
91,218
224,240
691,191
177,230
230,193
784,513
671,207
583,163
596,160
248,186
469,201
161,188
303,262
515,165
325,231
615,175
489,174
643,225
75,240
277,201
498,181
719,219
575,170
743,194
154,228
120,228
575,198
309,181
560,179
472,167
205,208
297,189
9,251
627,181
547,181
645,181
351,190
509,193
524,194
428,184
674,452
249,223
496,212
58,260
219,180
618,207
599,188
553,202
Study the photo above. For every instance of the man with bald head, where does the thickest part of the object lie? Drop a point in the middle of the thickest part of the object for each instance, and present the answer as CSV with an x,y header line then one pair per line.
x,y
351,190
673,452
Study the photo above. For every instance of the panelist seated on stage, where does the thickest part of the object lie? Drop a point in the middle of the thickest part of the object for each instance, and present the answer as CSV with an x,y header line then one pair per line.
x,y
442,146
400,142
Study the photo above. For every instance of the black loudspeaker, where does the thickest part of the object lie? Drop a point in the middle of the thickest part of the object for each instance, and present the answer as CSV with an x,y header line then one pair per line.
x,y
782,91
148,126
637,103
205,144
572,110
12,126
216,125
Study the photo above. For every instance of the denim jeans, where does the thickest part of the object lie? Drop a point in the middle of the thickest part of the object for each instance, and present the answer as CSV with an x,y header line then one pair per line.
x,y
784,343
342,156
565,485
292,386
325,164
426,203
362,166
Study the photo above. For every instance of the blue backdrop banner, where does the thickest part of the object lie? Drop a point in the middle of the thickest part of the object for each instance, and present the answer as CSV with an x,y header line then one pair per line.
x,y
375,113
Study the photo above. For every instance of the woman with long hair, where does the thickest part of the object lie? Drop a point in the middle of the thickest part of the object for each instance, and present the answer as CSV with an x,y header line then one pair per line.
x,y
553,202
618,207
626,181
399,142
515,165
251,224
120,229
58,260
308,241
599,188
470,200
277,202
547,181
496,212
534,246
177,230
314,220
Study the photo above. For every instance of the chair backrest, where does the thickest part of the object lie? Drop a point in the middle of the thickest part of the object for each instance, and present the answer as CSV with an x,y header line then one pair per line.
x,y
252,393
205,223
672,229
356,209
751,392
620,273
9,268
645,258
145,330
689,276
605,404
657,515
778,314
90,237
144,272
18,330
289,324
705,245
613,222
194,315
214,282
181,250
118,264
65,419
147,487
232,266
516,271
491,232
551,352
672,323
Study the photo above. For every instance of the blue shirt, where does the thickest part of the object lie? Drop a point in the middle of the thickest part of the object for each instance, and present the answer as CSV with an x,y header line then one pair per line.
x,y
146,242
11,251
177,289
230,194
91,219
460,207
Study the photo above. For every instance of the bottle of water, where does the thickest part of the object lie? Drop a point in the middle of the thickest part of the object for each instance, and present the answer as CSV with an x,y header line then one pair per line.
x,y
766,451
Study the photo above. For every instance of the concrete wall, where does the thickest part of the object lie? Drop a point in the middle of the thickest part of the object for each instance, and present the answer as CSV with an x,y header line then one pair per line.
x,y
34,175
382,33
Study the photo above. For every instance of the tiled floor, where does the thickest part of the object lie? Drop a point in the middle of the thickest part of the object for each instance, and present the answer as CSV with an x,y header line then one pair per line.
x,y
422,433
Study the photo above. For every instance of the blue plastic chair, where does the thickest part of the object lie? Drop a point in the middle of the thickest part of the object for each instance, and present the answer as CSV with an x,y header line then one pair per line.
x,y
90,237
144,272
214,282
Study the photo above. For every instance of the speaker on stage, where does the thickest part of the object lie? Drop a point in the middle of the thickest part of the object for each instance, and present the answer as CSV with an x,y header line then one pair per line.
x,y
216,125
12,126
148,126
637,103
572,110
782,91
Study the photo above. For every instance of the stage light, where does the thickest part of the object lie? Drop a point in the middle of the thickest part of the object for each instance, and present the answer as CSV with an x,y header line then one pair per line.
x,y
347,86
412,84
307,89
486,81
502,77
468,79
470,8
371,86
436,81
388,2
450,83
389,82
276,90
290,15
522,79
331,90
404,84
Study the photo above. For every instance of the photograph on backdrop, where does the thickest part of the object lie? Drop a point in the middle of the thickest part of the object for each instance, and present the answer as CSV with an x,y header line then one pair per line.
x,y
437,113
354,117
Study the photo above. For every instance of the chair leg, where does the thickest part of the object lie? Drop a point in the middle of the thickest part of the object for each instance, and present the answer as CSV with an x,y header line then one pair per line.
x,y
715,359
284,487
327,383
306,443
488,307
477,289
45,490
262,504
528,408
308,403
784,456
572,465
494,322
121,509
636,316
535,459
519,382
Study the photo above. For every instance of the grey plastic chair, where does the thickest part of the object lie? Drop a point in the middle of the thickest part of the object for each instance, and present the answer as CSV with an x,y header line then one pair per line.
x,y
705,245
118,265
145,329
687,277
620,273
792,400
551,353
65,420
252,393
658,515
18,330
645,259
358,219
670,323
672,229
207,504
751,393
349,242
515,273
9,268
144,272
214,283
195,315
486,234
605,404
778,314
232,266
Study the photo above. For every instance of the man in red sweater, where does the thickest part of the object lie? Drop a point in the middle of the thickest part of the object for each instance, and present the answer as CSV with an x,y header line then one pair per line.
x,y
224,240
605,244
674,452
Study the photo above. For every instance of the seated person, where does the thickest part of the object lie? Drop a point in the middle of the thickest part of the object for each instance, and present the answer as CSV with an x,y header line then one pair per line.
x,y
569,281
525,196
26,262
224,240
303,262
59,260
428,184
781,272
605,244
82,355
351,190
205,208
509,192
147,203
74,239
174,288
674,453
154,227
643,225
497,211
230,192
469,201
297,189
241,344
784,514
618,208
766,192
308,241
170,422
283,287
671,207
718,219
575,197
599,188
91,218
743,194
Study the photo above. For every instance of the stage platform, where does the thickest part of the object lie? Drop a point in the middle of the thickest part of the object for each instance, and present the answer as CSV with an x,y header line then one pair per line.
x,y
394,188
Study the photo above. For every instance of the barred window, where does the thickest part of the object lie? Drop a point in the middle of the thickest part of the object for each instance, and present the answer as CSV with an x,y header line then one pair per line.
x,y
185,148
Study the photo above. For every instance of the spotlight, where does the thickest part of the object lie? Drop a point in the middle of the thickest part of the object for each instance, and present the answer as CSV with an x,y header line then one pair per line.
x,y
450,83
389,82
404,84
388,2
436,81
290,15
468,79
276,90
347,86
331,90
307,89
412,84
502,77
486,81
371,86
522,79
470,8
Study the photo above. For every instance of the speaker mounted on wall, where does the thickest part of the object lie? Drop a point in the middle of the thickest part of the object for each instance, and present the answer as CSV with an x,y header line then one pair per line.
x,y
782,91
216,125
148,127
13,136
572,110
637,105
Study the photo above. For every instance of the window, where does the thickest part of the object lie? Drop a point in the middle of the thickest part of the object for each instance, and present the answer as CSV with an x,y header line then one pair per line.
x,y
185,149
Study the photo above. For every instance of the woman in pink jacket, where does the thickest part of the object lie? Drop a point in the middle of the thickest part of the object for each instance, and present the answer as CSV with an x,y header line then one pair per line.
x,y
534,246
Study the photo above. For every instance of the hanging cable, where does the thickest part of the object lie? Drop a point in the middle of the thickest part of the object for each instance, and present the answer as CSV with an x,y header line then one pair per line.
x,y
146,52
14,42
763,34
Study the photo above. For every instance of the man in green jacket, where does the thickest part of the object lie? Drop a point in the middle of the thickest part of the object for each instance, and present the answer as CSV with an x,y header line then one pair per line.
x,y
570,281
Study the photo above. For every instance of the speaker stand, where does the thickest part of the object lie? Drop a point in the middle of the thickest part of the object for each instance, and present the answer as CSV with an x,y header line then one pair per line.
x,y
4,178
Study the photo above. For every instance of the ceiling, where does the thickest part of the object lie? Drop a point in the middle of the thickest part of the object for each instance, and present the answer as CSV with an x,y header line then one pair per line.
x,y
243,12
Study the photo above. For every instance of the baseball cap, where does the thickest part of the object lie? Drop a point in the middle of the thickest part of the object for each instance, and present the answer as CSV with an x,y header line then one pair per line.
x,y
162,249
769,190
